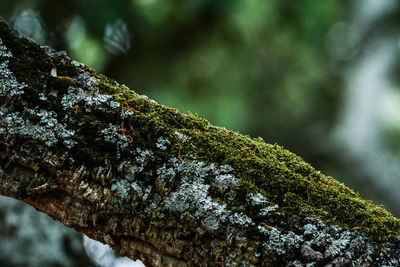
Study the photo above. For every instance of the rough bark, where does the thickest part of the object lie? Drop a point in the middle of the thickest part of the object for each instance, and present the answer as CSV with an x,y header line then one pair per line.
x,y
164,187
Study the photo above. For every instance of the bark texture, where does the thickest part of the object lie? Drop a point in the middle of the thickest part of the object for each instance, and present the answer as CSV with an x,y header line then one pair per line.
x,y
164,187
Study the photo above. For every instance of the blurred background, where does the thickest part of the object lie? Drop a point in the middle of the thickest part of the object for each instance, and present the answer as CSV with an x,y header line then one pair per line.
x,y
317,77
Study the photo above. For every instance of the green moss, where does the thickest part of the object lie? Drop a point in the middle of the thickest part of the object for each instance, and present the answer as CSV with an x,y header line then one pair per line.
x,y
89,148
291,183
91,156
61,83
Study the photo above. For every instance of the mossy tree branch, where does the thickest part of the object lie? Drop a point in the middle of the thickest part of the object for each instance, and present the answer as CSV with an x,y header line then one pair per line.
x,y
164,187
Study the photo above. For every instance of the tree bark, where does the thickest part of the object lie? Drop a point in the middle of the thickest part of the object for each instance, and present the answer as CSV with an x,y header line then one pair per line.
x,y
164,187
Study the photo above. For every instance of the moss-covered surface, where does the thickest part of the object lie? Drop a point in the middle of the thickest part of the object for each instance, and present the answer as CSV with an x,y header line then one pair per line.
x,y
279,175
268,169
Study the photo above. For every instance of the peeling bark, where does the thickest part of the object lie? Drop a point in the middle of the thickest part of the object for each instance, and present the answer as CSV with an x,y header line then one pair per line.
x,y
168,188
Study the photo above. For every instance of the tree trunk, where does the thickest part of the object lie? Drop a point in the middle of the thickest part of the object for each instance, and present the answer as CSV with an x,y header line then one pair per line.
x,y
164,187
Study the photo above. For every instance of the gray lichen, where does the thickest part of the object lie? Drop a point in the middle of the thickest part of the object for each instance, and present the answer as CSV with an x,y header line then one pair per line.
x,y
126,113
3,50
181,137
48,129
276,241
143,157
223,182
256,199
337,246
77,95
88,82
148,98
42,97
121,188
8,83
162,143
267,210
111,135
193,193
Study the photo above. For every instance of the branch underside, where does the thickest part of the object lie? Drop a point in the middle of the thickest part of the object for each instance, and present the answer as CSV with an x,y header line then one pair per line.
x,y
168,188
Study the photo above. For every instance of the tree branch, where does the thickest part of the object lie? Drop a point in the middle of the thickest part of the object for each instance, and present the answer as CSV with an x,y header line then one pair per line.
x,y
164,187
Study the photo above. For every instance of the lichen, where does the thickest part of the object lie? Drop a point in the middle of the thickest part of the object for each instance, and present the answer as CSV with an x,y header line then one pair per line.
x,y
8,83
193,193
48,129
162,143
42,97
4,51
126,114
111,135
121,188
76,96
181,137
143,157
319,244
256,199
148,98
267,210
275,242
337,246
